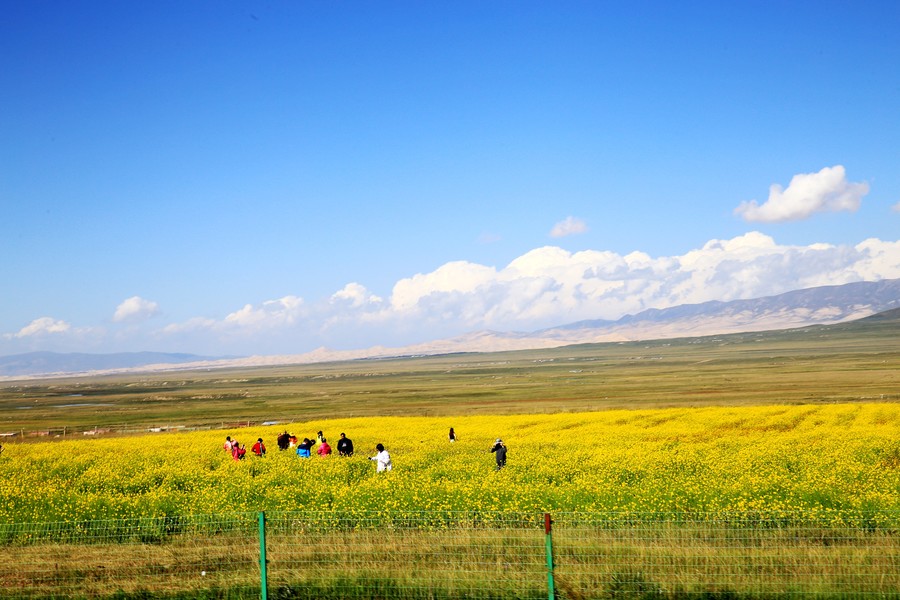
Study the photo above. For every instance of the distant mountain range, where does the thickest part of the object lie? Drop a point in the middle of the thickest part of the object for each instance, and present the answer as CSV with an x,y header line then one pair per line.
x,y
813,306
55,363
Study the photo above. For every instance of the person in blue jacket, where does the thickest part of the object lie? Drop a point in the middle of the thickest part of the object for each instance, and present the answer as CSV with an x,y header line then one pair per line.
x,y
304,447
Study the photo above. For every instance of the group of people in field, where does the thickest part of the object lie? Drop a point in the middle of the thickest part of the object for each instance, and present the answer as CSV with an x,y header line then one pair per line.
x,y
304,449
239,450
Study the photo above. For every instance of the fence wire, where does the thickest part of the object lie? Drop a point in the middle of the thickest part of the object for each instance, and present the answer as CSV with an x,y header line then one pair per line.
x,y
727,556
408,555
437,555
131,557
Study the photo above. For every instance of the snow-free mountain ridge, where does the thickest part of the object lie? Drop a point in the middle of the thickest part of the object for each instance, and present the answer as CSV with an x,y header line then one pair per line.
x,y
812,306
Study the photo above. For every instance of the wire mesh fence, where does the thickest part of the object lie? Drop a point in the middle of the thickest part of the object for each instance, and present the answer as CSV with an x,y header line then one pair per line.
x,y
186,556
727,556
435,555
409,555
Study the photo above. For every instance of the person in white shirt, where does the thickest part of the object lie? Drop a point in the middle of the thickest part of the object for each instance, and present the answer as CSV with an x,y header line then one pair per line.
x,y
382,458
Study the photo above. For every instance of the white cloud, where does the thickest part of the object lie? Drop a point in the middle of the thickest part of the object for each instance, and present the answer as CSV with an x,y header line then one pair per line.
x,y
876,260
249,319
283,322
568,226
896,207
808,193
48,333
458,277
545,287
355,295
42,326
135,309
550,286
272,313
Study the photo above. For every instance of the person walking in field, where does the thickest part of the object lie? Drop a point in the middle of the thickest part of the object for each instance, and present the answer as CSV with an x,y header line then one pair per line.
x,y
259,448
283,440
452,435
383,459
345,446
304,447
320,437
324,449
228,445
499,450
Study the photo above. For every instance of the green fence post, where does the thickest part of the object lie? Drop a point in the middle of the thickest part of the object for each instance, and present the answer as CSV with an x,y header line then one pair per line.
x,y
264,585
548,537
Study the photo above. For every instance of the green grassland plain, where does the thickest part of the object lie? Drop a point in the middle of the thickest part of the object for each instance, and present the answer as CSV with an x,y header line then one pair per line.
x,y
851,362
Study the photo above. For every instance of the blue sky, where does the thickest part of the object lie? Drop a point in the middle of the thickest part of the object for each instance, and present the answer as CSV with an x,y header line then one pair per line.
x,y
261,178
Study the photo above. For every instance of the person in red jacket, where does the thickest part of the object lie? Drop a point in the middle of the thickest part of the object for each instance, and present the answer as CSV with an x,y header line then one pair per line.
x,y
259,448
324,449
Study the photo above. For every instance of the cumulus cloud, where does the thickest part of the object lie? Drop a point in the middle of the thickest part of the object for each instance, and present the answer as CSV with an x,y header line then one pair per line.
x,y
568,226
355,295
272,313
808,193
268,327
459,277
544,287
249,319
42,326
550,286
135,309
48,333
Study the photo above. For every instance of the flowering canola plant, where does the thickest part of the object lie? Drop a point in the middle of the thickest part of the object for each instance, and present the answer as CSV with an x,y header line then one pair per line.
x,y
716,460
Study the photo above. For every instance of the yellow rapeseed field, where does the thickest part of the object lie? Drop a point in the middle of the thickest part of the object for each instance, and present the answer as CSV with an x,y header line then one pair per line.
x,y
815,459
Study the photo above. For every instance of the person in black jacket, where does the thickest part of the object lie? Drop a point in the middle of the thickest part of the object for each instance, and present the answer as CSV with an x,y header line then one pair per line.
x,y
345,446
499,449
